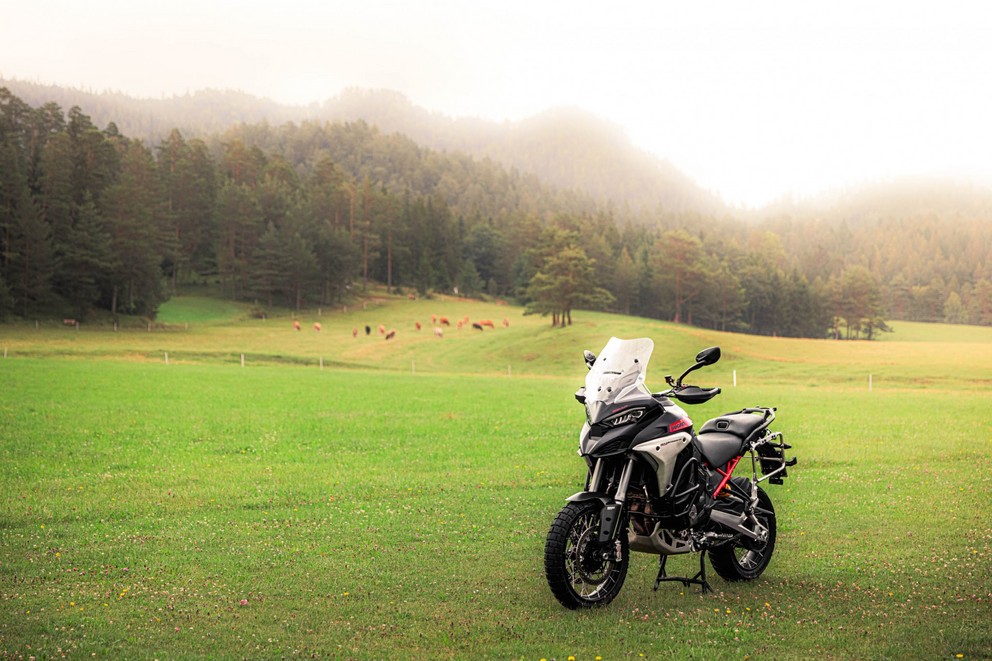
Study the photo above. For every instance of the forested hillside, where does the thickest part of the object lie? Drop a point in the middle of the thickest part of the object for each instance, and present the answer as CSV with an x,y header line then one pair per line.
x,y
566,149
309,213
927,244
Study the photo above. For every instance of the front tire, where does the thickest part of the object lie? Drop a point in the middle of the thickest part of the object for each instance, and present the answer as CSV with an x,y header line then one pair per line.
x,y
581,572
745,559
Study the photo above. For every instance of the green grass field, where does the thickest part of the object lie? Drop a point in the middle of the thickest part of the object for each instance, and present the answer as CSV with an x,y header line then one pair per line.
x,y
395,502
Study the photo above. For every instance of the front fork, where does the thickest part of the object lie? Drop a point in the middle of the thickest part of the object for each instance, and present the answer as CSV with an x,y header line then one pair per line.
x,y
611,513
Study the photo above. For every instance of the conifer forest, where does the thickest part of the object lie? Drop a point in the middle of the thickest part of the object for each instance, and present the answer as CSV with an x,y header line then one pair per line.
x,y
94,223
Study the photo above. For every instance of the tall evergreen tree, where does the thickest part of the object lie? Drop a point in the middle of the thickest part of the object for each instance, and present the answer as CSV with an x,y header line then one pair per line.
x,y
31,263
86,261
189,187
266,273
680,270
133,213
565,282
240,224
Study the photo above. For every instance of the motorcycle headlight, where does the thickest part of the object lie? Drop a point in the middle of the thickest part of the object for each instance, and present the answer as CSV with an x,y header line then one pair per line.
x,y
624,418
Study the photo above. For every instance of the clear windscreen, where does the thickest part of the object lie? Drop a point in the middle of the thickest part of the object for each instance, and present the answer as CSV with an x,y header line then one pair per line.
x,y
619,370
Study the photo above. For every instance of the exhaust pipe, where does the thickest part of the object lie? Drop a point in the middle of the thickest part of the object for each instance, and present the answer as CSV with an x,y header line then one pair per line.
x,y
736,523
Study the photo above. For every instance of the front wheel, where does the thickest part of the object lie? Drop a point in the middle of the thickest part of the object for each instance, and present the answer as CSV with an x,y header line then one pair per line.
x,y
745,559
581,572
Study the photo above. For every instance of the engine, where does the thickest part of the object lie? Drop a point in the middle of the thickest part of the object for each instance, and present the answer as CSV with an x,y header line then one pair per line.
x,y
687,503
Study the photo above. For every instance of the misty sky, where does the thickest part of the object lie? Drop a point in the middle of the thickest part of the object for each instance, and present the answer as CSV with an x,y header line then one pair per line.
x,y
752,99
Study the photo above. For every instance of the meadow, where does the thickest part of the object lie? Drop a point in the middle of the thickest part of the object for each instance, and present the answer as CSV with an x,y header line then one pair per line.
x,y
349,497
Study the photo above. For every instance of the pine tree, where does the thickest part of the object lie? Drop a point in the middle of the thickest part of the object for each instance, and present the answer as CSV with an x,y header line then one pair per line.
x,y
31,263
302,271
133,213
679,269
189,186
86,261
565,282
239,227
265,275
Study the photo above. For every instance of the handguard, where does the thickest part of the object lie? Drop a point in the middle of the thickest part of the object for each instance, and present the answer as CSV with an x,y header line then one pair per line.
x,y
694,394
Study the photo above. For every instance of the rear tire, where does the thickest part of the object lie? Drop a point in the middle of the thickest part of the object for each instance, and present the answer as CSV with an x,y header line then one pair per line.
x,y
746,559
581,572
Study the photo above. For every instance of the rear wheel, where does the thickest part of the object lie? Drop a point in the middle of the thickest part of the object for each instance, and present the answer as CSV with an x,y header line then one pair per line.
x,y
744,559
581,572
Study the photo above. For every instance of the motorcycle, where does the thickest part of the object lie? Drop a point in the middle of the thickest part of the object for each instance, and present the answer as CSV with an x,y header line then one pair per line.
x,y
656,486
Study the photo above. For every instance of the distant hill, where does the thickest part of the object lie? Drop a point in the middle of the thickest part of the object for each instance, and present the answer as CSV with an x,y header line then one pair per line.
x,y
565,148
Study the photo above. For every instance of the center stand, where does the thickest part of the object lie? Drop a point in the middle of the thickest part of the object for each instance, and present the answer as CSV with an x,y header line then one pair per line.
x,y
699,579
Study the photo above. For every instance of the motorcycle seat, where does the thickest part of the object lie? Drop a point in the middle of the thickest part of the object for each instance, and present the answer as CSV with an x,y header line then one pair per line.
x,y
721,439
718,448
738,424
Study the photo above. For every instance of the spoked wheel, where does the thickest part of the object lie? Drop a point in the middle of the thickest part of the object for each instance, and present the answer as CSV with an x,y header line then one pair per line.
x,y
581,572
745,559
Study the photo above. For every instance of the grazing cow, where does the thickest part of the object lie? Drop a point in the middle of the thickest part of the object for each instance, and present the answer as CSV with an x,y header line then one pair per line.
x,y
354,332
417,324
316,326
70,322
412,297
444,321
296,325
460,324
433,318
506,322
390,335
477,326
382,329
368,329
438,331
487,322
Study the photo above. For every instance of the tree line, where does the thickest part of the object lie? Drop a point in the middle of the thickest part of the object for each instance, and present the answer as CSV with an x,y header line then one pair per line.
x,y
307,214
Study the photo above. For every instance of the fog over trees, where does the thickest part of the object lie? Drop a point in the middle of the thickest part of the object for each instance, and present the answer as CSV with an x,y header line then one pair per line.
x,y
306,212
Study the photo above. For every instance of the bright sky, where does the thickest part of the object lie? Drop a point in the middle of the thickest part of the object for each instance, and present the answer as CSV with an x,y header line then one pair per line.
x,y
753,99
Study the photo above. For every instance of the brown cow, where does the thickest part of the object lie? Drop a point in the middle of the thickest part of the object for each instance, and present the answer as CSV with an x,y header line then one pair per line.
x,y
296,325
316,326
506,322
70,322
444,321
391,334
354,332
487,322
433,318
417,324
382,329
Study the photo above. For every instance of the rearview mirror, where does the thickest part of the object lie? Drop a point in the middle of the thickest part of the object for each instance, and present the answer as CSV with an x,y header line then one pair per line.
x,y
708,356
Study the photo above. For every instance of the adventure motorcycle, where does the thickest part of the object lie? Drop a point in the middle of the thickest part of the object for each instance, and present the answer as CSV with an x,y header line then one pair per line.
x,y
655,486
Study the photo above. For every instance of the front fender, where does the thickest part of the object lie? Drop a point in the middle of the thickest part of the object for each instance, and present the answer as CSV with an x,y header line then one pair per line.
x,y
609,513
583,496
